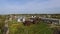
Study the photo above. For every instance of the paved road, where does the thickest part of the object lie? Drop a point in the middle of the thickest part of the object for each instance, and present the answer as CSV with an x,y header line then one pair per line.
x,y
6,29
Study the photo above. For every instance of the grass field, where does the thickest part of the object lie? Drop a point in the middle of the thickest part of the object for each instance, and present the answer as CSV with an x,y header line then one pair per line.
x,y
19,28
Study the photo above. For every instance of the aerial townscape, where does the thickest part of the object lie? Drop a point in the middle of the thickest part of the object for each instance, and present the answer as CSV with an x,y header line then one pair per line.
x,y
30,24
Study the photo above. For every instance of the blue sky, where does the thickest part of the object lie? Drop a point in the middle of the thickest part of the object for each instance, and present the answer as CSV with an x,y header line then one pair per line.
x,y
29,6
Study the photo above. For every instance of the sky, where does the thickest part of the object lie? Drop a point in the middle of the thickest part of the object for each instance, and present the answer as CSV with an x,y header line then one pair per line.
x,y
29,6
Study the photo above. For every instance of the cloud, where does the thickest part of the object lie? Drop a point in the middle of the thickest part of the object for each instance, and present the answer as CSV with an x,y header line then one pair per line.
x,y
29,6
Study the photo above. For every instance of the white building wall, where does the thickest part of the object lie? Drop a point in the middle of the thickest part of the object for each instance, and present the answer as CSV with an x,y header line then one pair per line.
x,y
23,19
59,21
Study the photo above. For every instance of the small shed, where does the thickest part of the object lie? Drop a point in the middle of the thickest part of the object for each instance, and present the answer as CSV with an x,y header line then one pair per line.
x,y
21,19
33,16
